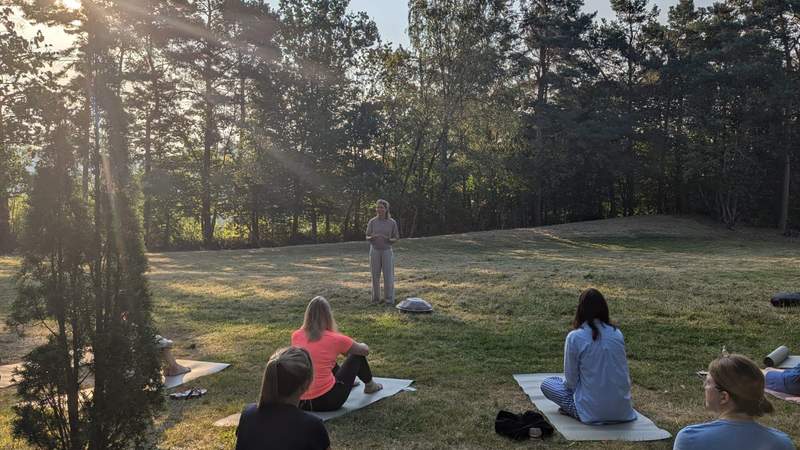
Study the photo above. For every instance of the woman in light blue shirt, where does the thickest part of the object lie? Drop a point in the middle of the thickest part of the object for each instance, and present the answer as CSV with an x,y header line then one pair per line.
x,y
734,390
596,388
787,381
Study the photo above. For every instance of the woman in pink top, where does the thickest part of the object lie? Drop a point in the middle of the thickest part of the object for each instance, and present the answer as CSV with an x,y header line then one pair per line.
x,y
331,384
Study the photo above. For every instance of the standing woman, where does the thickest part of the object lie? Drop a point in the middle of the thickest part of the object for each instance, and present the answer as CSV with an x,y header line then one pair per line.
x,y
597,387
332,383
275,422
381,234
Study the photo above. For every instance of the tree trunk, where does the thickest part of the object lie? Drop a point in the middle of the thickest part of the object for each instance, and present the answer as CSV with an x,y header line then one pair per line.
x,y
205,172
537,207
148,202
255,236
295,225
314,234
5,222
787,173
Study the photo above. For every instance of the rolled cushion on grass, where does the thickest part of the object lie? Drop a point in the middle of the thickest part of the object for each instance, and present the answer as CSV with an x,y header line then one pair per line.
x,y
786,299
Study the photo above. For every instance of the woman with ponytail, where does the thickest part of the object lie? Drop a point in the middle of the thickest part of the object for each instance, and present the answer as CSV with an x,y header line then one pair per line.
x,y
332,383
276,422
734,392
596,388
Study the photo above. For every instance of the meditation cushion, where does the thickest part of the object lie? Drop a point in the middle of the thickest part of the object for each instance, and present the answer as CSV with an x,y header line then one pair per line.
x,y
786,299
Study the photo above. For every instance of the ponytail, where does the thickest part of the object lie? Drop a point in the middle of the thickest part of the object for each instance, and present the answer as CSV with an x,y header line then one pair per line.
x,y
289,371
743,381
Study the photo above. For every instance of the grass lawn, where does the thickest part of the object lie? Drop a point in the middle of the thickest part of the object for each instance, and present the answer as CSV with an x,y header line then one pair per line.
x,y
679,289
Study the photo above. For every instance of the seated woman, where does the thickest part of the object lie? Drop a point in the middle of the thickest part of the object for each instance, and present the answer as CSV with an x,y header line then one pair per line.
x,y
169,363
276,422
332,384
786,381
734,391
597,388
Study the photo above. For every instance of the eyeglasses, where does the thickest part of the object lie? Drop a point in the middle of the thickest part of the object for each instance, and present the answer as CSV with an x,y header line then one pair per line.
x,y
704,375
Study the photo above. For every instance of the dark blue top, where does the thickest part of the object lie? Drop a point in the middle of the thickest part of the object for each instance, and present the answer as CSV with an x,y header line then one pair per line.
x,y
280,427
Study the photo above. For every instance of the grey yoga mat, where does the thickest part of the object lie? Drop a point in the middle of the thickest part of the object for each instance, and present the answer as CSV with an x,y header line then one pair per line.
x,y
199,369
641,429
781,358
357,400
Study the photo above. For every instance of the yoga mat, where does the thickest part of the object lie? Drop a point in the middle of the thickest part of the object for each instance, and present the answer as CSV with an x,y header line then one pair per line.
x,y
641,429
781,358
357,400
199,369
784,396
7,375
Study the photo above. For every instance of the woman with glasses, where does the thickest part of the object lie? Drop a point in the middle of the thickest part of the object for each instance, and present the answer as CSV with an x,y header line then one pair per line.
x,y
734,392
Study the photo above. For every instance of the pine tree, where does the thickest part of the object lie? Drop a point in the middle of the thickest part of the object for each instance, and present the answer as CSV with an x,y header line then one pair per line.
x,y
554,33
54,287
20,66
89,276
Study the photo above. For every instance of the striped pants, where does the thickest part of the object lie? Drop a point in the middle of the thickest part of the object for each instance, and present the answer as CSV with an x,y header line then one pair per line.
x,y
557,392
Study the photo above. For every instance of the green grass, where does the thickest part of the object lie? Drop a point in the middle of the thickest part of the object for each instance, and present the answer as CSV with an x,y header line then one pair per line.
x,y
679,289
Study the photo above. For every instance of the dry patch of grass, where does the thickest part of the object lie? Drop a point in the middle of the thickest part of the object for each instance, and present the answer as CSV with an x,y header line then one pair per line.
x,y
680,289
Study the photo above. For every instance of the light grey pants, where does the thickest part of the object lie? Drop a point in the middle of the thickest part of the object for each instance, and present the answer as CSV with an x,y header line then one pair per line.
x,y
382,261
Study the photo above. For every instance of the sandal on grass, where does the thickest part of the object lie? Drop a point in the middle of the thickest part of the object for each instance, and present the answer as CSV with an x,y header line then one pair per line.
x,y
189,393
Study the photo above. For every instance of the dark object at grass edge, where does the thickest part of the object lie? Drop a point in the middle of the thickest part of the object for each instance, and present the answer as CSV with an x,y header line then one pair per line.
x,y
785,299
519,426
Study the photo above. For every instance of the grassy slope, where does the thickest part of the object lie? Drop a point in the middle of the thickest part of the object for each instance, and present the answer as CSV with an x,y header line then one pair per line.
x,y
679,289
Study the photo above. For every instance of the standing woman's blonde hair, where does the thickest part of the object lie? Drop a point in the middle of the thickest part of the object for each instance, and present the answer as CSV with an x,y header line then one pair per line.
x,y
385,205
289,372
318,318
743,381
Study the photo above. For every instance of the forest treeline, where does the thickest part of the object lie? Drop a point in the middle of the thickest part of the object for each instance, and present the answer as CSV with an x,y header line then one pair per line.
x,y
252,125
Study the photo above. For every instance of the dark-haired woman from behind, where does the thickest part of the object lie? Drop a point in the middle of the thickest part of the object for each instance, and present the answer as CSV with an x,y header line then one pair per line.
x,y
596,388
734,391
276,423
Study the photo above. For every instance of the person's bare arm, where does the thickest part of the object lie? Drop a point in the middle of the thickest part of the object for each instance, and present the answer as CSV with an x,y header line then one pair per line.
x,y
358,348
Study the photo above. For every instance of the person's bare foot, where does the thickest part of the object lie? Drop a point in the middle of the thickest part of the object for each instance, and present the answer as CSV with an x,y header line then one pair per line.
x,y
176,369
372,387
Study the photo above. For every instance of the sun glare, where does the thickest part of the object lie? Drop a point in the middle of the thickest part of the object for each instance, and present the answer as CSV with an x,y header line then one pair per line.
x,y
71,4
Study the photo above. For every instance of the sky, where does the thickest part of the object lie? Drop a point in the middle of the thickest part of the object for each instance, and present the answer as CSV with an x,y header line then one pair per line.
x,y
391,16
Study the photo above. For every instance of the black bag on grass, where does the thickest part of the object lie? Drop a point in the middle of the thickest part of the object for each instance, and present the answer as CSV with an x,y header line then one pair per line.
x,y
518,426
